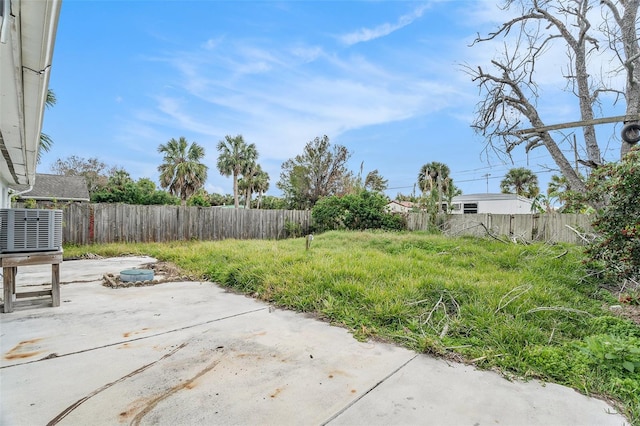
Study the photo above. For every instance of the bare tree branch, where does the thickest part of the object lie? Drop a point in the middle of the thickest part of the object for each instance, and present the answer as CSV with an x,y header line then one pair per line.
x,y
509,89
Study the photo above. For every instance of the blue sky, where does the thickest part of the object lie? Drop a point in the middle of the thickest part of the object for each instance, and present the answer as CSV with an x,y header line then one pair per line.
x,y
383,78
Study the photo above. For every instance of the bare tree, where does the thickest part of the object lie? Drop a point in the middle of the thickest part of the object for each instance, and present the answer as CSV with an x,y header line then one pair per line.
x,y
509,89
320,171
95,172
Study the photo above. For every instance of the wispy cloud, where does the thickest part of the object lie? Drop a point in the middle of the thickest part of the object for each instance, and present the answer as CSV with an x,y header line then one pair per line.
x,y
289,103
212,43
368,34
280,94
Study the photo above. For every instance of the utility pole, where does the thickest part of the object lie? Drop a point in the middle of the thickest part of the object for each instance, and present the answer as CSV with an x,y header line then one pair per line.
x,y
487,177
439,189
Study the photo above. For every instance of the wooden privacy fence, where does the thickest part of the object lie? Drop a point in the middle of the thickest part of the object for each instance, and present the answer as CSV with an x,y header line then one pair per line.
x,y
551,227
108,223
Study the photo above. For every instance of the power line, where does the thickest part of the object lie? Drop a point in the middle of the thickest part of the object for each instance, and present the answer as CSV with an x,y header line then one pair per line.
x,y
498,166
481,178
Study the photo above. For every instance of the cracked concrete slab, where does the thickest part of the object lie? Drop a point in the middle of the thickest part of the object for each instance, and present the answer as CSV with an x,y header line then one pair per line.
x,y
193,353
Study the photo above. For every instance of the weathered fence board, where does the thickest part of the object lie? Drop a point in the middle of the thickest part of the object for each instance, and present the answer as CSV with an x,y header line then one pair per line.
x,y
551,227
85,223
107,223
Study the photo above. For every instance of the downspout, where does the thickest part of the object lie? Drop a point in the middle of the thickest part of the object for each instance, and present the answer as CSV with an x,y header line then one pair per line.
x,y
15,194
6,11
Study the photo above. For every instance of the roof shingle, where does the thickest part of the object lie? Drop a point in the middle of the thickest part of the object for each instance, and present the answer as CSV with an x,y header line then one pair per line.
x,y
59,187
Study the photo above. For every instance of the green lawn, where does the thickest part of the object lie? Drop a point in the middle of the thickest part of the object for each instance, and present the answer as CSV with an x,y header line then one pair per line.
x,y
527,310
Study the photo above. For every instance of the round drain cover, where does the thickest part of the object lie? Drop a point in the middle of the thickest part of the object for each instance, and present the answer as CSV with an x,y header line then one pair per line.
x,y
136,275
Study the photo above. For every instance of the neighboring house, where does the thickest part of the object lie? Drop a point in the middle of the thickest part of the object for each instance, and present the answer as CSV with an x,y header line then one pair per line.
x,y
491,203
56,188
27,37
400,206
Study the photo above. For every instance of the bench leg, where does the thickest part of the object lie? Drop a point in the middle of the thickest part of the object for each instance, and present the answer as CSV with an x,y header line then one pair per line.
x,y
55,284
9,282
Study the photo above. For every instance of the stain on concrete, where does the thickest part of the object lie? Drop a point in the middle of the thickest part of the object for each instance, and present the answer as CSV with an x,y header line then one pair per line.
x,y
276,393
130,333
185,385
24,350
79,402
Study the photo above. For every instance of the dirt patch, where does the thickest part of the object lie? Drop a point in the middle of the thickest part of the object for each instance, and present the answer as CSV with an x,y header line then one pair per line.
x,y
631,312
166,269
85,256
163,272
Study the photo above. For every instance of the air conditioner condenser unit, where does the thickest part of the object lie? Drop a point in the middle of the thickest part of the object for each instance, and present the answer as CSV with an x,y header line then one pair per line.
x,y
30,230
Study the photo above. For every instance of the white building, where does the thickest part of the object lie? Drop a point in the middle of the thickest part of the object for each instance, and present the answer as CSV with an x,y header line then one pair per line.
x,y
27,36
491,203
400,206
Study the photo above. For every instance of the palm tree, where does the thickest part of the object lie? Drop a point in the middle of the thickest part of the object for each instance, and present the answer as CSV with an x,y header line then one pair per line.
x,y
255,180
261,184
558,185
246,183
45,140
181,170
236,158
521,181
432,174
560,189
436,175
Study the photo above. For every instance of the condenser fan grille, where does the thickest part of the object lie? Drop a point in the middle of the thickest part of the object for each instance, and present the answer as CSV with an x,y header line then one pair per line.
x,y
30,230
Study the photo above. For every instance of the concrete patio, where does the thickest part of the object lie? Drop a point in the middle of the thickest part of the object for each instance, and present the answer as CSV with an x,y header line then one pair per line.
x,y
191,353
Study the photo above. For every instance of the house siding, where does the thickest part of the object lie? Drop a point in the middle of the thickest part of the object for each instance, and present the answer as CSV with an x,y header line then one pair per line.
x,y
491,203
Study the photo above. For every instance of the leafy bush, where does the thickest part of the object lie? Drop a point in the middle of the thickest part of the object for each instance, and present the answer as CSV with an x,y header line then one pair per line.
x,y
618,248
122,189
522,309
30,203
200,198
364,210
292,229
608,352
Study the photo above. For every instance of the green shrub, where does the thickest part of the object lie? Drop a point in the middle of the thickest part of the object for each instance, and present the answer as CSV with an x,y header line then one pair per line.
x,y
364,210
200,199
292,229
608,352
618,248
30,203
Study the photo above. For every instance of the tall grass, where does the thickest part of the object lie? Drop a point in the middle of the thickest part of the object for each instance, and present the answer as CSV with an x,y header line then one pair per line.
x,y
526,310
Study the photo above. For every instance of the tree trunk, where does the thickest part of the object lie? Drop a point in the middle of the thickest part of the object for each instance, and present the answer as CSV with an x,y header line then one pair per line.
x,y
631,47
235,190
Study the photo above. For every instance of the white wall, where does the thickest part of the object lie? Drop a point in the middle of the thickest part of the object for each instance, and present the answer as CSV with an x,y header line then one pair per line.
x,y
504,207
496,206
5,200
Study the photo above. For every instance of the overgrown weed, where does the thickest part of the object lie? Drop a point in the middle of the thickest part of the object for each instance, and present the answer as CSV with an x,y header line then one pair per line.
x,y
526,310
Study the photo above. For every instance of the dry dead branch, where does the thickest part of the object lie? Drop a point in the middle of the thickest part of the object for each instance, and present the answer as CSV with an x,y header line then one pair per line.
x,y
557,308
581,235
516,291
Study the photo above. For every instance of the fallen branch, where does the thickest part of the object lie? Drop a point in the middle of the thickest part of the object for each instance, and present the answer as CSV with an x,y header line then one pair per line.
x,y
521,289
485,357
582,236
446,319
433,310
445,329
489,233
561,254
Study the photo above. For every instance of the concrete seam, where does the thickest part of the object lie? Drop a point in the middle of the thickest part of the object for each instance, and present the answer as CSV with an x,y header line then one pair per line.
x,y
355,401
48,357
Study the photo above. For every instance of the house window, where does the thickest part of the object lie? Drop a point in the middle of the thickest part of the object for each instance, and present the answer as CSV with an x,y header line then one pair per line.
x,y
470,208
